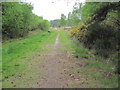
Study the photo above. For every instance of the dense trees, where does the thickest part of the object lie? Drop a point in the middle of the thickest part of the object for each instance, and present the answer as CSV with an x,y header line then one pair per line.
x,y
96,25
18,19
55,23
63,20
98,28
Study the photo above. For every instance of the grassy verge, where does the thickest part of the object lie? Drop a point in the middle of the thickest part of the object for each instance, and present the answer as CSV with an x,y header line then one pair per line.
x,y
73,46
95,70
14,52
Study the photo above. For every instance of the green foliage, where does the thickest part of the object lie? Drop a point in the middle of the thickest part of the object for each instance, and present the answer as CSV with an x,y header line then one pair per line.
x,y
102,38
18,19
74,19
63,21
101,34
55,23
44,25
101,30
69,22
88,9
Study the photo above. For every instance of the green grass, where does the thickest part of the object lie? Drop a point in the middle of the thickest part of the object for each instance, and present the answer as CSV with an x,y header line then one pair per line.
x,y
74,46
95,68
14,52
103,71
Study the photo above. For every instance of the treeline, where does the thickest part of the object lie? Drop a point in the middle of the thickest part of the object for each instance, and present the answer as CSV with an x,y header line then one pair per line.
x,y
55,23
18,20
63,22
97,26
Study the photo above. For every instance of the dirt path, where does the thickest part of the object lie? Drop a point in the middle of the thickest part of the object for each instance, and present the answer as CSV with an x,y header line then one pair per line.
x,y
52,67
59,69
